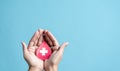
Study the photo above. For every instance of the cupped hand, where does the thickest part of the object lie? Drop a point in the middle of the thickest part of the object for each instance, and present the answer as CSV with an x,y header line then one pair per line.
x,y
29,51
51,64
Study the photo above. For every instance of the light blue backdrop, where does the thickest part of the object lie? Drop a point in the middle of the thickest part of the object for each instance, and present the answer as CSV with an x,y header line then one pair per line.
x,y
92,28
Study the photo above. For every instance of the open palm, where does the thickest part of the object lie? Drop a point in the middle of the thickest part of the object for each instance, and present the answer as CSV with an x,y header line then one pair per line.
x,y
57,51
29,51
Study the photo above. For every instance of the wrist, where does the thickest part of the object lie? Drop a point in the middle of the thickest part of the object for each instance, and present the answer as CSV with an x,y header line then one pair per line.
x,y
31,68
52,68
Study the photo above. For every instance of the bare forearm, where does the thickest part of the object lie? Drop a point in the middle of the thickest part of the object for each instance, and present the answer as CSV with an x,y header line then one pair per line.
x,y
34,69
54,68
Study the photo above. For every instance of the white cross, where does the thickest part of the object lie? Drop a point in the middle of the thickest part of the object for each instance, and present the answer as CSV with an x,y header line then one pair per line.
x,y
43,51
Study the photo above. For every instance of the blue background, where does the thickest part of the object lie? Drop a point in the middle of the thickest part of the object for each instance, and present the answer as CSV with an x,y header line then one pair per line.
x,y
92,27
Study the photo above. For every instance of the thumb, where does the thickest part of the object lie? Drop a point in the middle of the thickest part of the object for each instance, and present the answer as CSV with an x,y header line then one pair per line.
x,y
24,47
62,47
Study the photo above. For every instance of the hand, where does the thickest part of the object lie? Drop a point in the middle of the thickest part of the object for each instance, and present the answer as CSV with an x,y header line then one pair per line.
x,y
35,64
57,51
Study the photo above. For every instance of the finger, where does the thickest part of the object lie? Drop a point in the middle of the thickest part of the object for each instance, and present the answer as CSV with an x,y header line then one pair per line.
x,y
53,39
32,49
55,48
40,39
33,39
47,39
24,47
62,47
53,55
36,41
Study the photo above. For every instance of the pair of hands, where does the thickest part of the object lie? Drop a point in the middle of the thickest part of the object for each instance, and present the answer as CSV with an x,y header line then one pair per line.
x,y
36,64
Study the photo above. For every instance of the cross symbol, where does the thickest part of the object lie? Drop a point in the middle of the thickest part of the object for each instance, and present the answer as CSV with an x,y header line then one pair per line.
x,y
43,51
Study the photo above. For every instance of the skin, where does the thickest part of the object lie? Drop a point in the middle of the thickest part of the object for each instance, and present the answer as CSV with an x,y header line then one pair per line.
x,y
36,64
52,63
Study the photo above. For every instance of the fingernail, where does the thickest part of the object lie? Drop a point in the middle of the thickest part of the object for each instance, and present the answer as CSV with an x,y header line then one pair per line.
x,y
67,43
36,32
40,29
46,30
